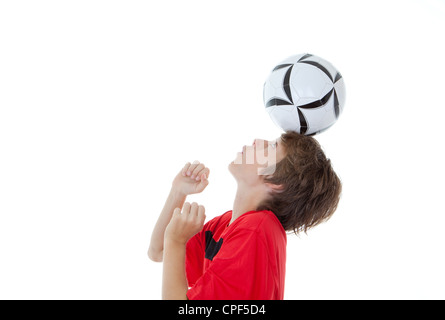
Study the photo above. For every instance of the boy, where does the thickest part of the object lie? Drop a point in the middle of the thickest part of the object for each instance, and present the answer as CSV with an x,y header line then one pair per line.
x,y
242,253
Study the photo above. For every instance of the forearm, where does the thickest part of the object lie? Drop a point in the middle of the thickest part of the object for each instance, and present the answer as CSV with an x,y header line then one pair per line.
x,y
174,200
174,281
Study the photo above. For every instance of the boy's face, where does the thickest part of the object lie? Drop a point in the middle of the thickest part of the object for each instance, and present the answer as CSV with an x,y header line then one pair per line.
x,y
258,159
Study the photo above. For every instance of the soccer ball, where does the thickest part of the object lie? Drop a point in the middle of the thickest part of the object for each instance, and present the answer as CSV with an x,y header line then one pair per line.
x,y
304,93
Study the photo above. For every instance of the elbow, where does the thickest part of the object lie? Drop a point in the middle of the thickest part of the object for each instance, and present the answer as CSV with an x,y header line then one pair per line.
x,y
155,256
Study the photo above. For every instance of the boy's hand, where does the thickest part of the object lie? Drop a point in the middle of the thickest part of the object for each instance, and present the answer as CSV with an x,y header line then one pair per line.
x,y
185,225
191,179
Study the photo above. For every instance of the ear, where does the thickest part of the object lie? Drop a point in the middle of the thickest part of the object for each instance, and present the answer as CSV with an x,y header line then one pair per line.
x,y
272,188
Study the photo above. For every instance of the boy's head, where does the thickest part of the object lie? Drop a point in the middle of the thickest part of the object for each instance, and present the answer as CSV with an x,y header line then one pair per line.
x,y
302,187
309,188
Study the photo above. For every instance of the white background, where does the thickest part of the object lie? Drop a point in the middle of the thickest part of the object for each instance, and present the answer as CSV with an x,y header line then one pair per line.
x,y
102,102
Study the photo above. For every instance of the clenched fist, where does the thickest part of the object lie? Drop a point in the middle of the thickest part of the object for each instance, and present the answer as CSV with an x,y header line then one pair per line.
x,y
184,225
193,178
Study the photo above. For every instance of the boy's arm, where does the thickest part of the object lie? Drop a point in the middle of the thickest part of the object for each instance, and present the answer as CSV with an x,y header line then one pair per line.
x,y
181,228
174,200
191,179
174,279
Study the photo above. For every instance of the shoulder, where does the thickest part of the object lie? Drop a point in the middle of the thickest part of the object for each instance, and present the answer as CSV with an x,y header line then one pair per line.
x,y
218,221
255,218
262,222
257,230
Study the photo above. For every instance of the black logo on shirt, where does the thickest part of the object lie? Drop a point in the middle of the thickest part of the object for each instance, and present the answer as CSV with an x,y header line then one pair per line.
x,y
212,247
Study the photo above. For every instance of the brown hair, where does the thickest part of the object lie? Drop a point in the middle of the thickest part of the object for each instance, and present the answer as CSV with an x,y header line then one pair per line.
x,y
310,190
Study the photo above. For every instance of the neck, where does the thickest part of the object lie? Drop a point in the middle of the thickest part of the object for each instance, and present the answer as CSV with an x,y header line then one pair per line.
x,y
246,199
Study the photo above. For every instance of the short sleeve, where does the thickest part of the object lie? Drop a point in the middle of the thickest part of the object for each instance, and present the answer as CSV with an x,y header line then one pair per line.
x,y
239,271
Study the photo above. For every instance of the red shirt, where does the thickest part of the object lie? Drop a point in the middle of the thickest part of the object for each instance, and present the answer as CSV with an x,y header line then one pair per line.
x,y
245,260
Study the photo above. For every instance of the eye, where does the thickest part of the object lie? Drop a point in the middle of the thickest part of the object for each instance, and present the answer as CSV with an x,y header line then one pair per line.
x,y
274,145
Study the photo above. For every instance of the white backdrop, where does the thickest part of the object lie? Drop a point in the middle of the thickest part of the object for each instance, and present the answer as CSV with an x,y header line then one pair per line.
x,y
102,102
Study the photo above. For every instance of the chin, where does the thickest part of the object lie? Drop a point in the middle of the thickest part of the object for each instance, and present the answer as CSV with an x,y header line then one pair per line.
x,y
236,162
235,169
231,167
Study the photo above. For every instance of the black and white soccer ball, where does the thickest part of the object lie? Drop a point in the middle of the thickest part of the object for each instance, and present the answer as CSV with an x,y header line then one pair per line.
x,y
304,93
